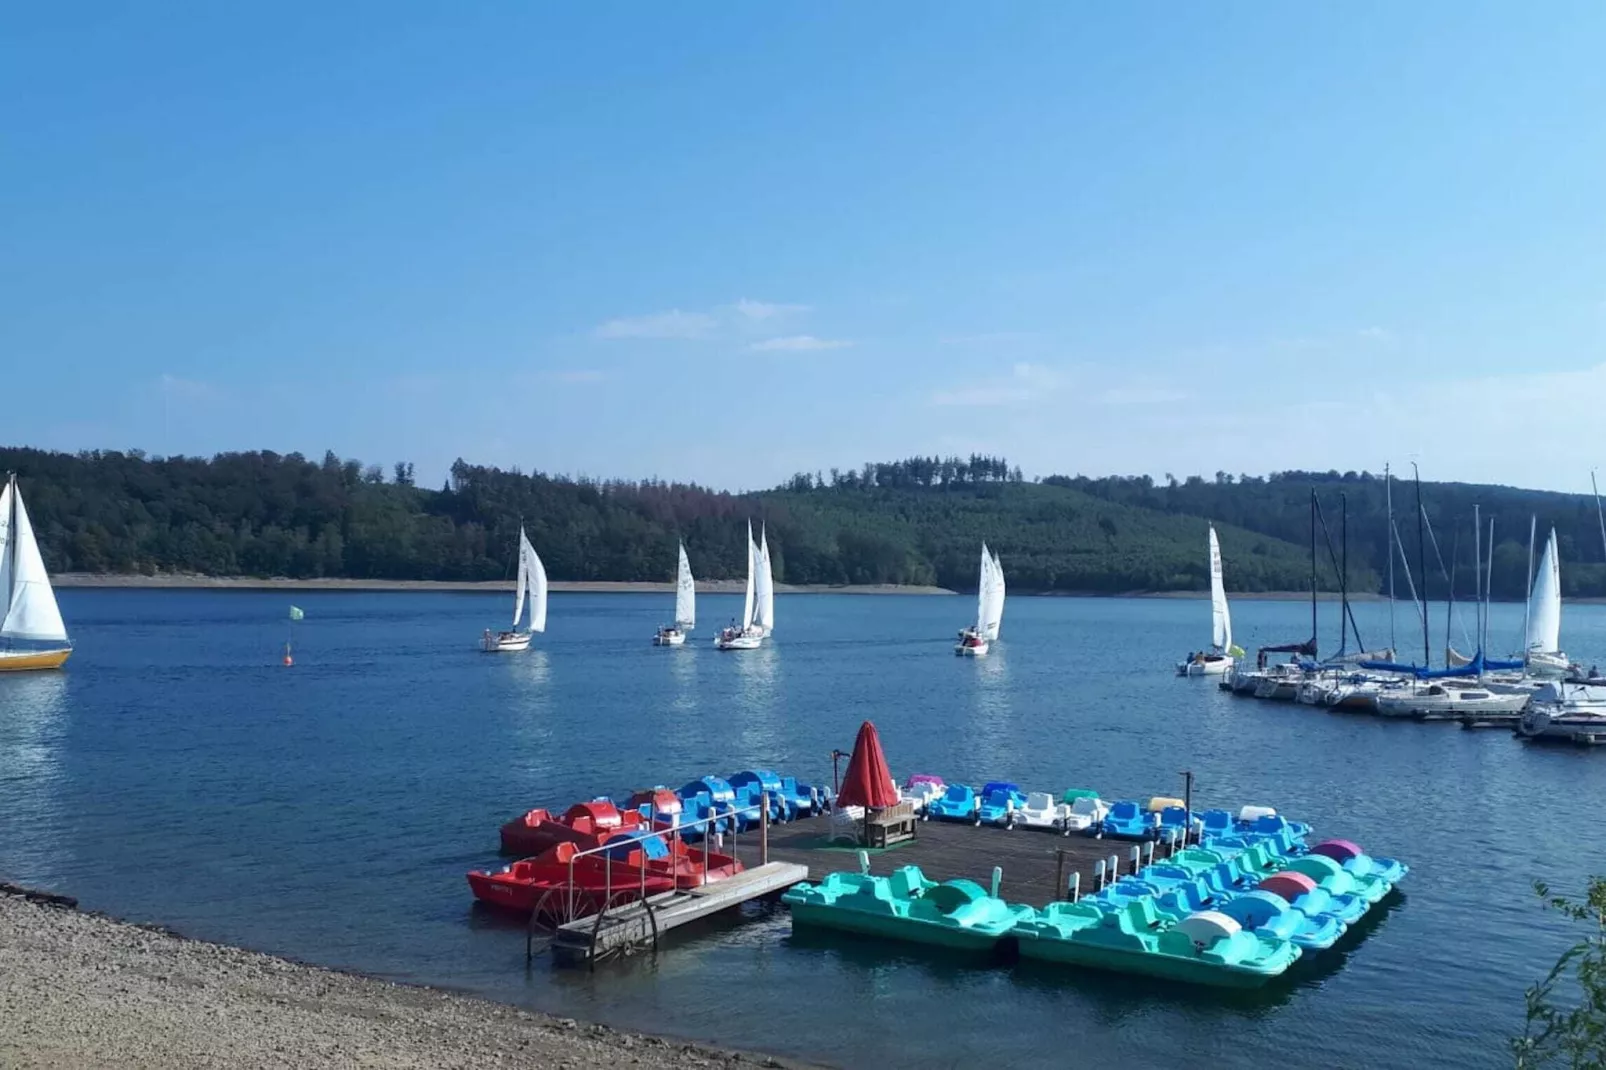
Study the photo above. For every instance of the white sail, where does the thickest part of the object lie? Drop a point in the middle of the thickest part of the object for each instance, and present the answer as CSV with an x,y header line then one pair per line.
x,y
5,549
763,587
537,592
685,594
31,611
747,603
1220,618
1544,602
995,614
989,596
525,552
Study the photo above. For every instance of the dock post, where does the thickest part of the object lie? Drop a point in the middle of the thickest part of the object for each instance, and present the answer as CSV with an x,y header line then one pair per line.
x,y
1137,857
1076,886
1098,876
1187,805
708,834
998,878
1149,852
1115,868
1059,870
764,828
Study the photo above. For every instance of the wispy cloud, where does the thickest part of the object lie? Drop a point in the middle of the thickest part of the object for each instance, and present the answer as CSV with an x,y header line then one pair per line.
x,y
1026,383
987,338
674,324
799,343
175,388
759,311
575,376
1142,393
1376,334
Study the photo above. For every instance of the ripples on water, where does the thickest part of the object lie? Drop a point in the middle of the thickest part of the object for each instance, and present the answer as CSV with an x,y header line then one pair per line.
x,y
176,773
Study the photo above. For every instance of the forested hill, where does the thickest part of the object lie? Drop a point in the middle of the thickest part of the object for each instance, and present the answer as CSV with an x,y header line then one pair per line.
x,y
912,522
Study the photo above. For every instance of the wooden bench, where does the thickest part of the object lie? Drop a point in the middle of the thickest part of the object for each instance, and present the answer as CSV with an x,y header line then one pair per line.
x,y
891,825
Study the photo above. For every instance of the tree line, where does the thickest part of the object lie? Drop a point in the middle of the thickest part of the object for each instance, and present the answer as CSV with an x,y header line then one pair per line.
x,y
915,521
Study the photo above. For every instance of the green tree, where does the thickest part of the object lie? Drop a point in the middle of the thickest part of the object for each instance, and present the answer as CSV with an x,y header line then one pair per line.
x,y
1566,1012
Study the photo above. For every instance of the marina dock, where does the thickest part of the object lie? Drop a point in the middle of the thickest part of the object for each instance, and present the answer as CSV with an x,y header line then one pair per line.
x,y
1038,865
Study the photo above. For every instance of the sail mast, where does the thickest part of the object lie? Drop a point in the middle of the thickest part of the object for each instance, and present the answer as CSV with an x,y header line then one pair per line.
x,y
1422,563
1528,605
1343,572
1488,582
1313,571
1477,571
1388,508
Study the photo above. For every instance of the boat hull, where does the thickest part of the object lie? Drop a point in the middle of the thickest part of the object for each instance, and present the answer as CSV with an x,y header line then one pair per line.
x,y
1210,666
28,660
738,642
671,637
891,927
972,648
1149,964
505,643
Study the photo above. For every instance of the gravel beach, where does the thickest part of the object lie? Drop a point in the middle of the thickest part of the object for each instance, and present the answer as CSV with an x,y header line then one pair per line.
x,y
78,991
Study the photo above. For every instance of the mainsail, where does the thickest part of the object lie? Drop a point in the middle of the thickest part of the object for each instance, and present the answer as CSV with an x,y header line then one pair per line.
x,y
764,587
30,609
747,601
1544,603
524,578
1220,618
685,594
989,596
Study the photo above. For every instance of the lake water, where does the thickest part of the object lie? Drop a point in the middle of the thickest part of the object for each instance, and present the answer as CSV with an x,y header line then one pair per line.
x,y
176,773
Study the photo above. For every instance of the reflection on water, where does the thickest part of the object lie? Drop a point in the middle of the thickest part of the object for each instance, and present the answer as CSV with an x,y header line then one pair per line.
x,y
33,730
759,728
530,706
683,670
989,730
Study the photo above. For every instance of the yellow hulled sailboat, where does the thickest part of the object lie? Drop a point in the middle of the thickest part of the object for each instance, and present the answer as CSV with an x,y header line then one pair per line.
x,y
32,635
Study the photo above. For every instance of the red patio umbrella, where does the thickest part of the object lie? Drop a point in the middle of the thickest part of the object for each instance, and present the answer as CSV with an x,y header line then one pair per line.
x,y
868,782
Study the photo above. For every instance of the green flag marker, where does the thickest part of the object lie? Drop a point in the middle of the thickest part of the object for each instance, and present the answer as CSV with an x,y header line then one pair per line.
x,y
295,613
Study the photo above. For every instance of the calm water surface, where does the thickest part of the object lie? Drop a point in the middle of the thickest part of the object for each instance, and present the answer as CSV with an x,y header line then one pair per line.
x,y
176,774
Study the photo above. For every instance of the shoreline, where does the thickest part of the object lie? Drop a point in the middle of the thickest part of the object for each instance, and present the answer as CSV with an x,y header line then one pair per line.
x,y
186,582
82,989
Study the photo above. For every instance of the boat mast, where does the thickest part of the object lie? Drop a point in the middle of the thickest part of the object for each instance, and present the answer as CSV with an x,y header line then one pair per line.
x,y
1313,571
1343,571
1388,507
1528,598
1449,605
1422,562
1598,514
1488,582
1477,571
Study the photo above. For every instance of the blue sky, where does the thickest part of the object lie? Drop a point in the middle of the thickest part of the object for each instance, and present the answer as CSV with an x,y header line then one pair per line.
x,y
725,242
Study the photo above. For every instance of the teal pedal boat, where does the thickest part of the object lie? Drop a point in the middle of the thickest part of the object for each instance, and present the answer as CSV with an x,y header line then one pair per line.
x,y
1206,948
957,914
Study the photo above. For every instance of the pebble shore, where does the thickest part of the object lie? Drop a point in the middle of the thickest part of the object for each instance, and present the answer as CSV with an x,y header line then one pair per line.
x,y
80,991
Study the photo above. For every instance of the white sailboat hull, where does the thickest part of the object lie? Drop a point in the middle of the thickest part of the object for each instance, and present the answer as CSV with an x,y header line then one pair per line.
x,y
1209,665
505,643
669,637
1558,724
745,640
976,647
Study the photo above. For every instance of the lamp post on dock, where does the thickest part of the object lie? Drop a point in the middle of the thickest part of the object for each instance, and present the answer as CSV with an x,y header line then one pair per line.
x,y
1187,805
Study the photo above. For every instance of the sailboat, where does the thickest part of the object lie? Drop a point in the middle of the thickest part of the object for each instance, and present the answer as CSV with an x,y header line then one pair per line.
x,y
763,587
532,583
976,640
685,606
1542,654
1219,658
749,634
29,613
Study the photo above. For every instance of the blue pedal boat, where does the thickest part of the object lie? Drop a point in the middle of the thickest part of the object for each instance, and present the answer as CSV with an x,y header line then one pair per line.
x,y
750,786
707,797
957,803
1268,912
999,801
1129,821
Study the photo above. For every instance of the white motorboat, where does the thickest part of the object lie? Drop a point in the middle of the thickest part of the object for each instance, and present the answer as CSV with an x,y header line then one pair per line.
x,y
976,640
1041,811
685,606
532,588
1445,702
1580,720
1219,658
1086,812
28,611
750,632
1280,683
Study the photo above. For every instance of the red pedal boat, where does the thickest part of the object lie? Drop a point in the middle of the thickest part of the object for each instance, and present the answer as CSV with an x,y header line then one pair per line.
x,y
584,824
598,881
